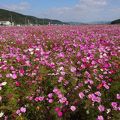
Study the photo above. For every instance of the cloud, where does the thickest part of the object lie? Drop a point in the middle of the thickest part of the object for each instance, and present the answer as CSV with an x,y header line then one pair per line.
x,y
84,10
17,7
95,3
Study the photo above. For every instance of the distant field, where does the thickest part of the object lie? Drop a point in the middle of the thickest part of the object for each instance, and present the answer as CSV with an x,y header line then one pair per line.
x,y
60,72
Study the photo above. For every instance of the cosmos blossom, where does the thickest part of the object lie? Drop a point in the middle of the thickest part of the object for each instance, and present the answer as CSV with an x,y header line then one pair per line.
x,y
101,108
100,117
73,108
55,69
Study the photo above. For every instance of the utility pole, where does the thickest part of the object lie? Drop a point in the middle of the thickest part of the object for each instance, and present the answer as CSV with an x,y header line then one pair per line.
x,y
11,18
25,20
36,22
43,21
51,22
28,22
44,16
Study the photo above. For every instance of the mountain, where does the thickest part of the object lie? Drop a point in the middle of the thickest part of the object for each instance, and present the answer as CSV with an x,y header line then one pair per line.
x,y
17,18
89,23
76,23
99,22
116,21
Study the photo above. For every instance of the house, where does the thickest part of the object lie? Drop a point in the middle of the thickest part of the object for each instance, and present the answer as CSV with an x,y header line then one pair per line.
x,y
5,23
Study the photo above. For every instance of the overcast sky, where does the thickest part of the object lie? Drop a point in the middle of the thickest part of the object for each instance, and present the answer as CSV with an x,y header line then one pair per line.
x,y
67,10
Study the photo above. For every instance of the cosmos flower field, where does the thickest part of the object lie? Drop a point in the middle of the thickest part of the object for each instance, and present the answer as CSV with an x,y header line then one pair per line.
x,y
60,72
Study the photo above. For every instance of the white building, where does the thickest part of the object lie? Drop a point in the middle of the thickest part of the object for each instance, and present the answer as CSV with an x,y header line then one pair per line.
x,y
5,23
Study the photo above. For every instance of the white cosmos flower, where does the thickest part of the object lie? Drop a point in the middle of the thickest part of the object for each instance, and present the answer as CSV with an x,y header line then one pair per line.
x,y
31,53
30,49
37,49
108,111
87,112
101,56
1,114
61,68
3,83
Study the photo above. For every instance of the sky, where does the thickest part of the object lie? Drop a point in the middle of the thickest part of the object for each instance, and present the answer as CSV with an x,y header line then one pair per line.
x,y
66,10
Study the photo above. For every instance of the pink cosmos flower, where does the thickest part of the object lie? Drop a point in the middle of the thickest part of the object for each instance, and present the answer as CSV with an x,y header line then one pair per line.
x,y
94,98
66,102
23,109
56,90
87,74
41,98
101,76
7,75
106,86
14,76
83,66
84,59
98,93
73,108
73,69
0,98
114,105
18,112
27,63
100,117
101,108
30,98
36,99
60,95
119,108
62,73
50,100
118,96
50,95
6,118
89,81
93,62
61,55
63,100
60,79
0,75
81,95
